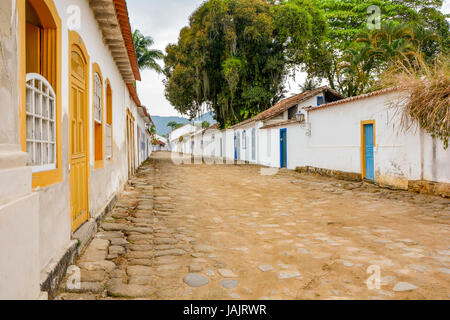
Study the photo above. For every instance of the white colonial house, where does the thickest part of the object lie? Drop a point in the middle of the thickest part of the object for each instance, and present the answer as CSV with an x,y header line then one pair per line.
x,y
73,132
363,136
319,131
269,138
160,143
177,138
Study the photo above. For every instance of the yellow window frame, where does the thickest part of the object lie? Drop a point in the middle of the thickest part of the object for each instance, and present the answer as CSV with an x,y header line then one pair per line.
x,y
98,164
109,110
51,20
363,142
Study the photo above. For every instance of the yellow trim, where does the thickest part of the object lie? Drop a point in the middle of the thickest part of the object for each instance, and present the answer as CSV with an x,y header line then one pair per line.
x,y
98,164
46,10
131,149
76,40
363,143
108,84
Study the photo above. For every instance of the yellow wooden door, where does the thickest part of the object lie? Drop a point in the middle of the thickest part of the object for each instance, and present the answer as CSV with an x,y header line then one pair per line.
x,y
79,160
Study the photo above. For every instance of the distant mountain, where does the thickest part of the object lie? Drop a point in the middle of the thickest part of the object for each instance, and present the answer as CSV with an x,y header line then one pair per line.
x,y
207,117
161,123
163,129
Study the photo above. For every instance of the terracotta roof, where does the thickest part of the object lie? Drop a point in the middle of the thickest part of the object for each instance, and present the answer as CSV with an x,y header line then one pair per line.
x,y
133,93
144,108
161,143
285,104
213,127
124,21
281,123
355,98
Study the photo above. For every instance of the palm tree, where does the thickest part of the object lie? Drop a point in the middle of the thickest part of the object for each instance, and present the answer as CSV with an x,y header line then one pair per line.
x,y
309,84
357,68
392,42
146,57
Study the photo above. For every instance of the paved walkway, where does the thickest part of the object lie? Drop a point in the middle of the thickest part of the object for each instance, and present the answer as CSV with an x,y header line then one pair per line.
x,y
228,232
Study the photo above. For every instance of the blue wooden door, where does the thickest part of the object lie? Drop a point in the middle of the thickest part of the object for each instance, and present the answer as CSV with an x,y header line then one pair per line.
x,y
235,147
238,146
283,148
368,149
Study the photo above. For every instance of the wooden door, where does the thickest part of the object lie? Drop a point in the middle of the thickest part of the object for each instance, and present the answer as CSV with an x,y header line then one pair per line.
x,y
283,148
369,151
79,143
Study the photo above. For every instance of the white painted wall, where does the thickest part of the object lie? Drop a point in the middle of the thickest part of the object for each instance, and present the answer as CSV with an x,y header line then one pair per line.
x,y
54,218
177,133
399,155
245,150
229,145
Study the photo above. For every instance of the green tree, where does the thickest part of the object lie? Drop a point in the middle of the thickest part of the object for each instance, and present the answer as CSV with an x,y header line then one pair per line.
x,y
235,56
205,124
347,21
153,129
174,125
146,57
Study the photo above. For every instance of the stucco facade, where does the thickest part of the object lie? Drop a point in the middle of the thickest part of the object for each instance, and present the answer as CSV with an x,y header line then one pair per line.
x,y
36,222
330,139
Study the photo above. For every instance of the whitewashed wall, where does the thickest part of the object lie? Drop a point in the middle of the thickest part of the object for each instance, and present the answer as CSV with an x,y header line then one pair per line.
x,y
177,133
54,219
245,152
400,155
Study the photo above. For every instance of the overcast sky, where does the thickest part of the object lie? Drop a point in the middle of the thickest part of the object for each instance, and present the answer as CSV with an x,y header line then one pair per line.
x,y
163,20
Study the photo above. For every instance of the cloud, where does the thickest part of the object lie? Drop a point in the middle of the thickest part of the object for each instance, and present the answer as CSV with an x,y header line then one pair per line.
x,y
162,20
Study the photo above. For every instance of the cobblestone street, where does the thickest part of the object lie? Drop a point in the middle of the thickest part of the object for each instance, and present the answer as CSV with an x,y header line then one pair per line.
x,y
228,232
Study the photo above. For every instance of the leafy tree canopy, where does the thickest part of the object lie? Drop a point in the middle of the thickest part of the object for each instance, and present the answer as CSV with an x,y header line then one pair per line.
x,y
352,56
174,125
235,55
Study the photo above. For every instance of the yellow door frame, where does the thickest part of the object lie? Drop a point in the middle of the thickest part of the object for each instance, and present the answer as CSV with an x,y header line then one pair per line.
x,y
363,145
76,41
131,143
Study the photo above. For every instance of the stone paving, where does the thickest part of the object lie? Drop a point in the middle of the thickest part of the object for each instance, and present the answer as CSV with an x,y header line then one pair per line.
x,y
228,232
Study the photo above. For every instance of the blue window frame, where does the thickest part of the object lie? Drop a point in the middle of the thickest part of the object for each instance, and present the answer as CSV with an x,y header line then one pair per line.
x,y
319,101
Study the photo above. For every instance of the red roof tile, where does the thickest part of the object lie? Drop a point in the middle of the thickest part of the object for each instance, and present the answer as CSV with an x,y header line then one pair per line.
x,y
133,94
287,103
279,124
355,98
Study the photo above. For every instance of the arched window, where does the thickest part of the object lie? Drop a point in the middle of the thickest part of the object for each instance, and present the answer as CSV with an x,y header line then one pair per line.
x,y
41,123
41,87
109,122
98,116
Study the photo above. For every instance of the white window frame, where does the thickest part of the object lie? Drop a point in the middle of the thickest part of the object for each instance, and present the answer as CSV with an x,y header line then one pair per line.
x,y
38,87
244,140
97,98
108,142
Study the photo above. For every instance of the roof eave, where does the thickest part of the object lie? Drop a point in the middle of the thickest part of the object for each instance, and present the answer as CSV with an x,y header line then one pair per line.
x,y
112,18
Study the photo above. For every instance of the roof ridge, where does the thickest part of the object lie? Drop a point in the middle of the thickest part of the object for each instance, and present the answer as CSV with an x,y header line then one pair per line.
x,y
356,98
